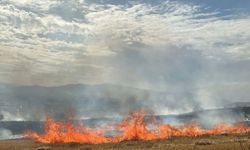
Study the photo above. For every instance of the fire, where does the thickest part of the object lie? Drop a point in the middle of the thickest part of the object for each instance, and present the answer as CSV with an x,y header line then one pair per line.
x,y
132,128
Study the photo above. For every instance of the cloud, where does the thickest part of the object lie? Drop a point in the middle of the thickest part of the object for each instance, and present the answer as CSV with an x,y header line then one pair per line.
x,y
159,43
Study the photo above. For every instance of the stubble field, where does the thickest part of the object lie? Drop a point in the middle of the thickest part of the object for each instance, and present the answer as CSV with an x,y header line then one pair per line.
x,y
220,142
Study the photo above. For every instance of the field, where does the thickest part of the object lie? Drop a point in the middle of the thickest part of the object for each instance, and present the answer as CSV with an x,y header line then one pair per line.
x,y
221,142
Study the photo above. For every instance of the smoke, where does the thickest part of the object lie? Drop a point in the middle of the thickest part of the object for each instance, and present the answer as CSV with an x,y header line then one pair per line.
x,y
120,58
6,134
164,80
172,72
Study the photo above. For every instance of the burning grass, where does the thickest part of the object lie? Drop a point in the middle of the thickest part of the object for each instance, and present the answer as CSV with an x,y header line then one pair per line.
x,y
133,128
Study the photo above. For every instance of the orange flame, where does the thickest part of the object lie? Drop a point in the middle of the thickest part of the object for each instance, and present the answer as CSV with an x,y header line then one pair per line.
x,y
132,128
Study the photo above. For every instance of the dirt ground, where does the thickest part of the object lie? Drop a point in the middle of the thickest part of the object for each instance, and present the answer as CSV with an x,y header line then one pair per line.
x,y
222,142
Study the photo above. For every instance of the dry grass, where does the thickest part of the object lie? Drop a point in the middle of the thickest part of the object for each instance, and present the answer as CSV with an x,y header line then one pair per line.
x,y
222,142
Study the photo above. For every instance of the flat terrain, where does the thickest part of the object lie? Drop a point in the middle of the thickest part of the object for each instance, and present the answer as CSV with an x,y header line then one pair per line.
x,y
222,142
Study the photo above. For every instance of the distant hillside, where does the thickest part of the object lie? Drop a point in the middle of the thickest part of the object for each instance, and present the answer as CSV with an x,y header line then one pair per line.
x,y
33,102
106,100
211,117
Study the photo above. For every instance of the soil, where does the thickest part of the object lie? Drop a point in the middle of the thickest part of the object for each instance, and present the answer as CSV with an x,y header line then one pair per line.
x,y
220,142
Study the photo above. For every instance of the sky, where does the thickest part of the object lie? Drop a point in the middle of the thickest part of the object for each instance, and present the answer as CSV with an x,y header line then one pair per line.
x,y
164,45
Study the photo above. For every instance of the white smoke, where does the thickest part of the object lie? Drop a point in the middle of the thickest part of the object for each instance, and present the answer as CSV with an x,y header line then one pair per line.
x,y
6,134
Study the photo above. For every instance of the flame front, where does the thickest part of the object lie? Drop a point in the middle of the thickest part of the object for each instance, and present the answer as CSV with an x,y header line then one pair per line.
x,y
132,128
